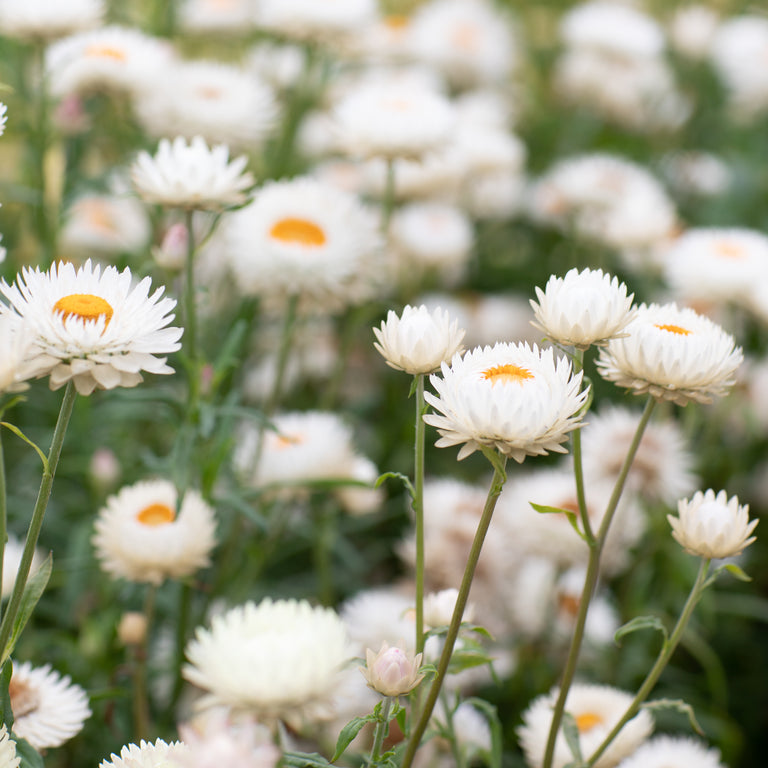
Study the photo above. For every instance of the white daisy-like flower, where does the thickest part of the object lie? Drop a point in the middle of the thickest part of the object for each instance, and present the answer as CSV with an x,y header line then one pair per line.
x,y
140,535
375,616
222,103
692,29
3,117
663,468
399,119
392,671
419,340
303,237
46,20
190,175
512,397
48,709
111,58
310,20
673,752
439,607
277,659
148,755
596,709
8,758
15,342
91,327
582,308
715,264
712,525
672,354
696,173
235,17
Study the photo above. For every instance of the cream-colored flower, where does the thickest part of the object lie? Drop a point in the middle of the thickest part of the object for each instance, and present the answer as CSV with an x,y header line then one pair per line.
x,y
183,175
140,535
712,525
8,758
516,399
310,20
206,17
92,327
672,354
11,561
582,308
673,752
374,616
392,671
44,20
3,117
15,342
148,755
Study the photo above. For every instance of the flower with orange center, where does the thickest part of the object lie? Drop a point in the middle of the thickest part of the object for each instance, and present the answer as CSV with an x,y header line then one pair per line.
x,y
514,398
143,534
93,327
672,354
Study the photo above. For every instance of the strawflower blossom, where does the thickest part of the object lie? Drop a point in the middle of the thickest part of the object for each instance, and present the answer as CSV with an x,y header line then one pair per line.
x,y
8,758
712,525
93,327
14,349
515,398
45,20
418,341
148,755
672,354
582,308
314,21
391,671
190,175
3,117
673,752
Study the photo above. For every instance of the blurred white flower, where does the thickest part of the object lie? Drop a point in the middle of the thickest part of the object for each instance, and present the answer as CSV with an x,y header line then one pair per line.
x,y
207,17
45,20
673,752
310,20
692,29
11,561
8,758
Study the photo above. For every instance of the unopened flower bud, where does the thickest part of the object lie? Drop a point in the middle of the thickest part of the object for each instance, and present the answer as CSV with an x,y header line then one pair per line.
x,y
105,468
172,252
391,671
132,628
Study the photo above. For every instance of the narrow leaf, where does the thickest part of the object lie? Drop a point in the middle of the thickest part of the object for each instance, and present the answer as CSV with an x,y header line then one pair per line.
x,y
676,705
734,570
639,623
6,715
303,760
32,593
348,733
30,757
16,431
571,733
571,516
396,476
494,725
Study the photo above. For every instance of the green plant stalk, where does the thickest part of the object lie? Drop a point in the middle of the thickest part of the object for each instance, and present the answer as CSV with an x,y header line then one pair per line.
x,y
578,470
388,204
382,729
286,341
36,523
325,536
670,644
190,320
497,483
182,622
590,581
418,509
45,224
140,697
3,506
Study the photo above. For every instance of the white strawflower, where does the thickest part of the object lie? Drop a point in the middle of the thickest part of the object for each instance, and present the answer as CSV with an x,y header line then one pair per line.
x,y
148,755
310,20
596,709
47,19
48,709
397,119
374,616
673,354
582,308
15,341
3,117
515,398
92,327
141,537
8,758
277,659
712,525
235,17
392,671
439,607
673,752
418,340
190,175
692,28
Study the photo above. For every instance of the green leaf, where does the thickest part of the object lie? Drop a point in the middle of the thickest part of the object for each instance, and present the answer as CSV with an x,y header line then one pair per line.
x,y
348,733
572,517
467,658
6,713
33,590
676,705
639,623
497,461
30,757
587,382
400,716
16,431
494,725
303,760
397,476
734,570
571,733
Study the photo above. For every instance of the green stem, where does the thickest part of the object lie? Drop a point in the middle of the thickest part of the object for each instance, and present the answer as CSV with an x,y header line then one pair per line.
x,y
670,644
418,509
182,622
45,223
36,523
578,469
388,205
325,536
3,508
190,319
382,728
497,483
286,340
590,582
140,696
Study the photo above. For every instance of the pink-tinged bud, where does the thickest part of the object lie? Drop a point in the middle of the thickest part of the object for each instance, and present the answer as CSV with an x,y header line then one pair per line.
x,y
172,252
391,671
105,468
132,628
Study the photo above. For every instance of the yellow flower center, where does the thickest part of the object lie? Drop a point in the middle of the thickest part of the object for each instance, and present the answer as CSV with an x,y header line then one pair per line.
x,y
84,306
673,329
729,250
587,721
105,52
283,442
396,21
506,374
298,231
156,514
24,698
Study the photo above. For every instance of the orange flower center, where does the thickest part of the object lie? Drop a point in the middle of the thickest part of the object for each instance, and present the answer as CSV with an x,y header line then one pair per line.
x,y
396,21
156,514
84,306
587,721
284,442
729,250
298,231
105,52
209,92
673,329
569,604
506,374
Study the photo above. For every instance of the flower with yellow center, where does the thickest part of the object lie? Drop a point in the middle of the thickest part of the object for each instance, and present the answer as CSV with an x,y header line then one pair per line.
x,y
596,710
515,398
672,354
143,535
94,328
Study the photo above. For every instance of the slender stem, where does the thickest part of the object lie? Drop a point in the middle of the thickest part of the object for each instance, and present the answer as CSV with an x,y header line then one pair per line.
x,y
325,537
418,510
36,523
590,582
457,751
382,728
140,697
388,205
182,622
662,660
190,318
497,483
578,469
3,509
45,223
286,340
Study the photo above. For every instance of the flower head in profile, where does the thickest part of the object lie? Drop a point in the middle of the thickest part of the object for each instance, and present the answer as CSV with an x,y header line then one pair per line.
x,y
8,758
95,328
148,755
190,175
672,354
673,752
418,340
391,671
582,308
515,398
712,525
